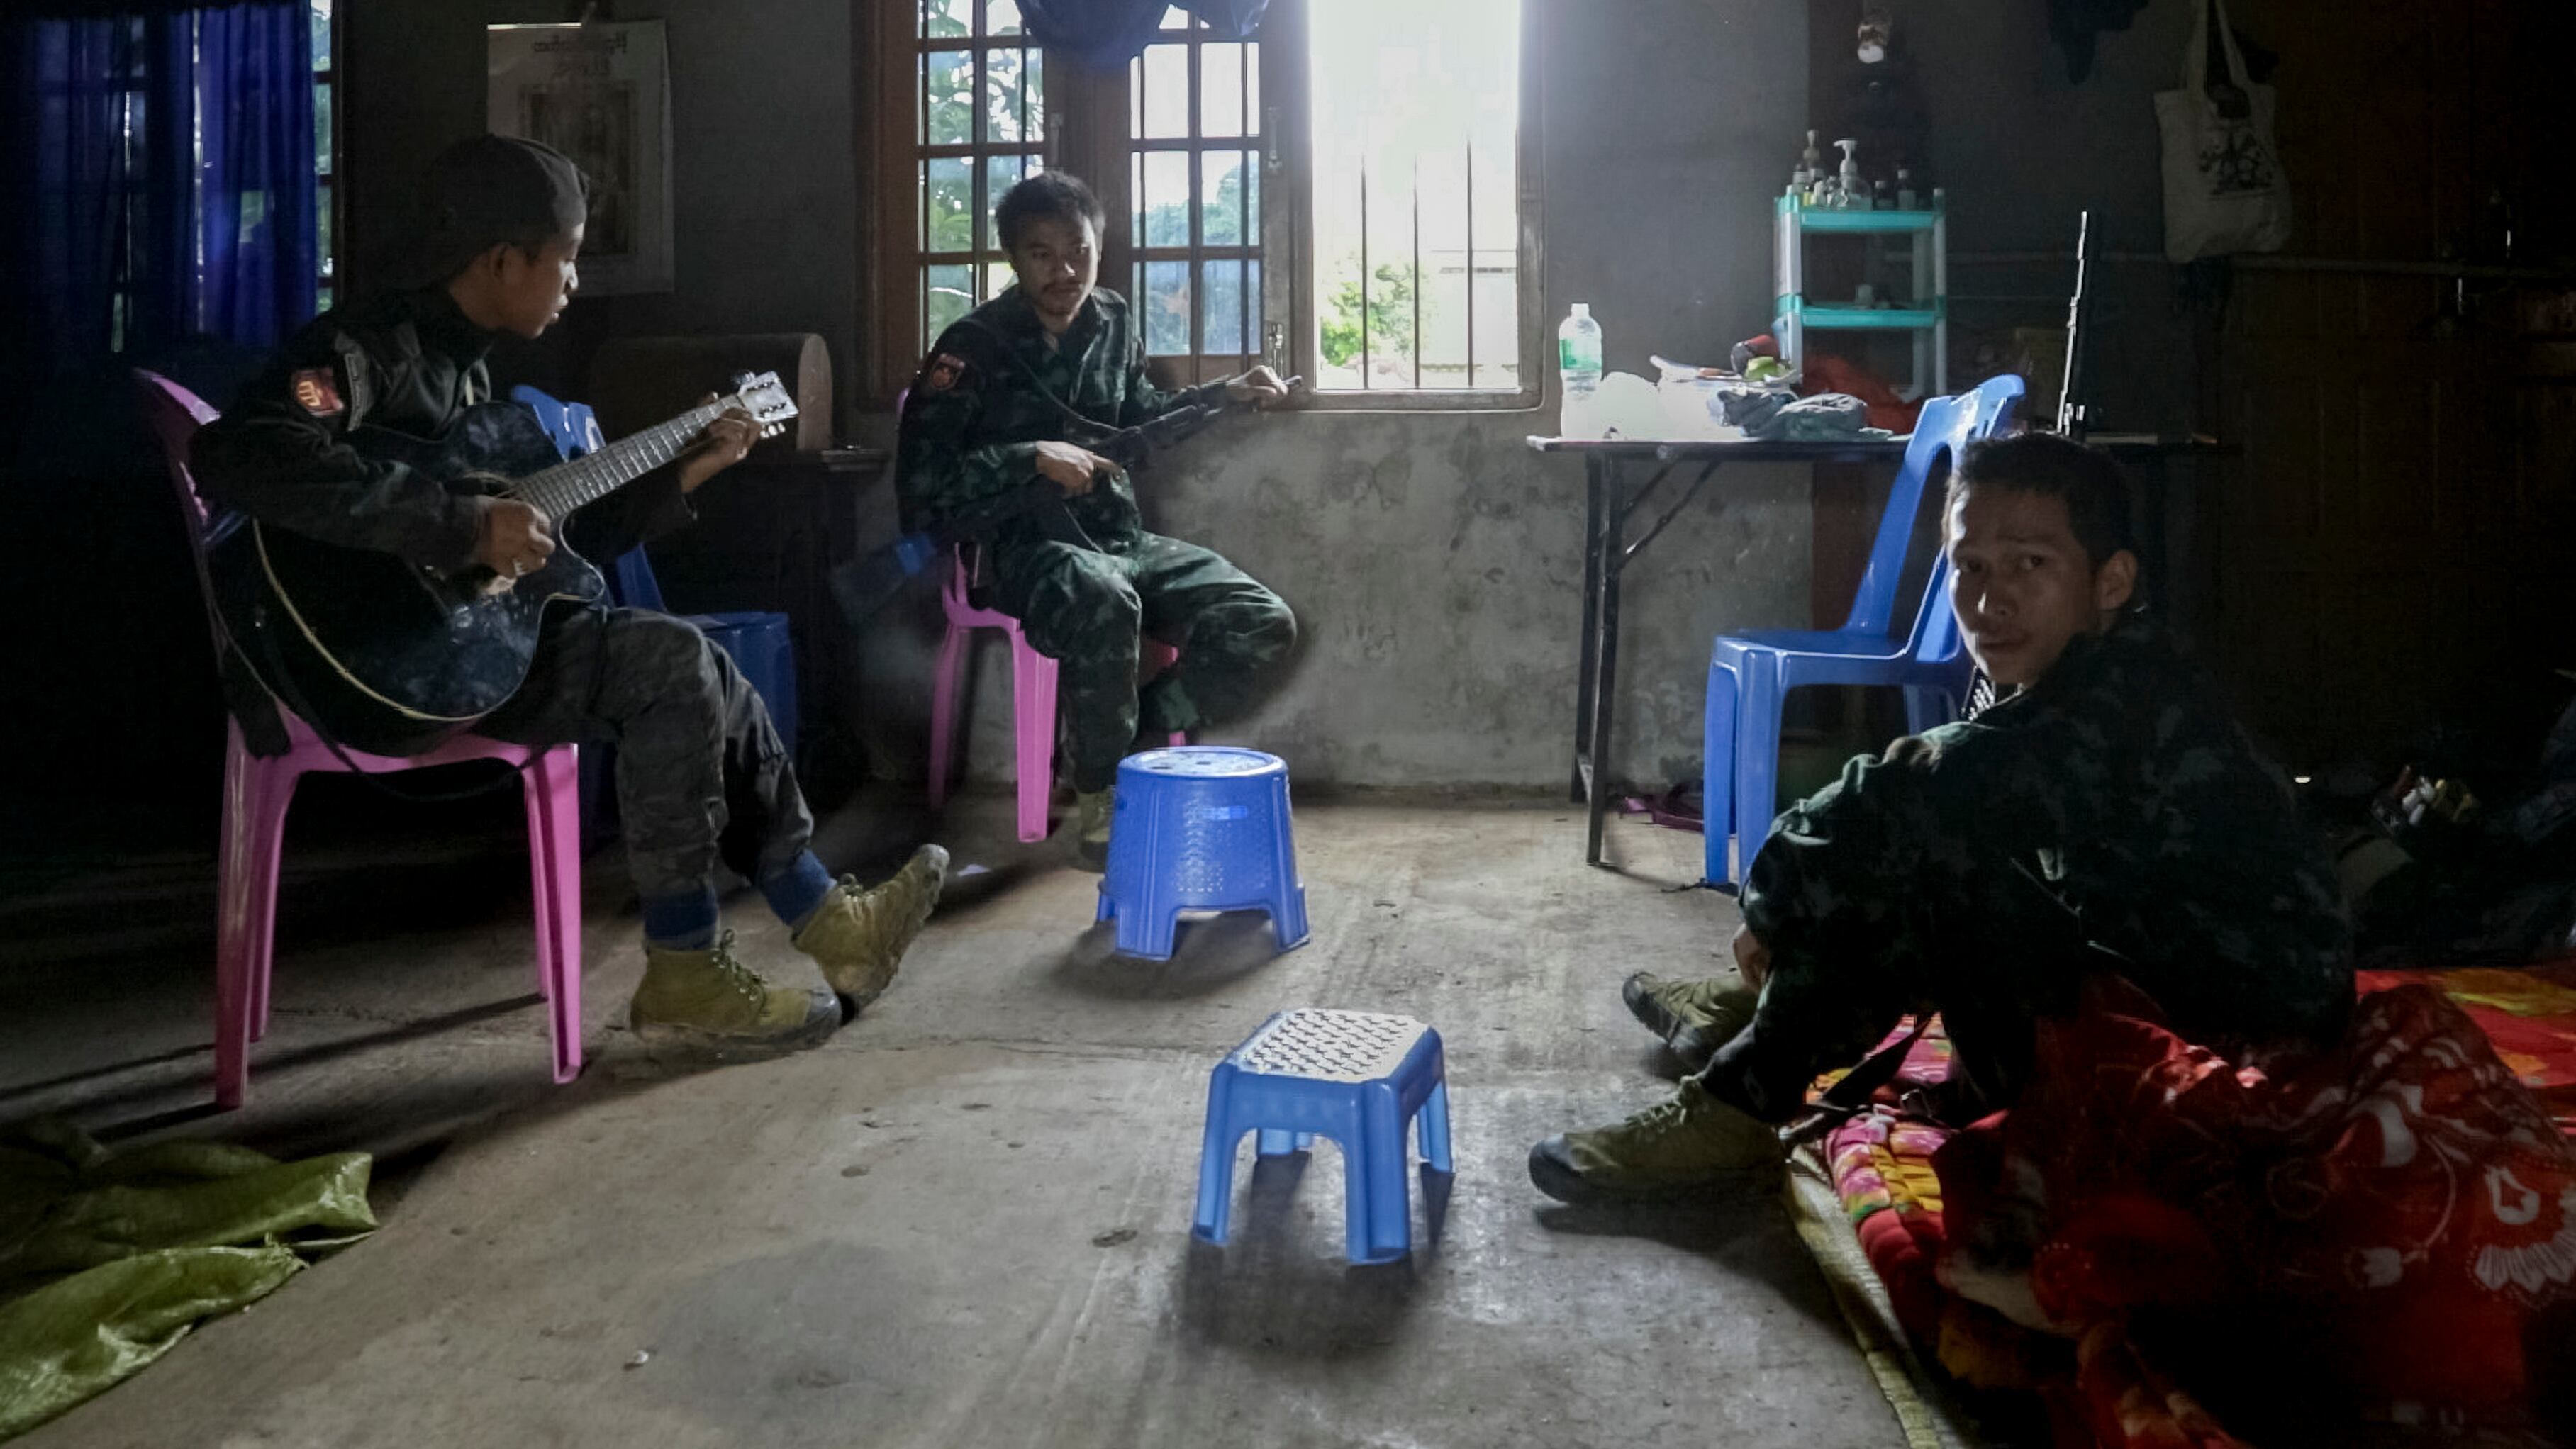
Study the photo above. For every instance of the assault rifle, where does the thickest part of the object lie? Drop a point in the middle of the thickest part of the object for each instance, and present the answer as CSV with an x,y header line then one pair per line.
x,y
864,585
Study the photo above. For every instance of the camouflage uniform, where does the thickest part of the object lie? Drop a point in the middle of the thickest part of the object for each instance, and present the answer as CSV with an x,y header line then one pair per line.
x,y
699,767
2113,815
970,430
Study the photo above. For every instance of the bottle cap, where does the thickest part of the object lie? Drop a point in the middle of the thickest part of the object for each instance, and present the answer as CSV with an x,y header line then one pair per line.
x,y
1582,309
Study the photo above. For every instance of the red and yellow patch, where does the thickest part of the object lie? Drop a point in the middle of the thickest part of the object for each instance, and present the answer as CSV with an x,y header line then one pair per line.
x,y
317,391
943,371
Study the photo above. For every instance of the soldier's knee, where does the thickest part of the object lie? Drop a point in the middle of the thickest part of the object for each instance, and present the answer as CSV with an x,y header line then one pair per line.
x,y
671,652
1277,626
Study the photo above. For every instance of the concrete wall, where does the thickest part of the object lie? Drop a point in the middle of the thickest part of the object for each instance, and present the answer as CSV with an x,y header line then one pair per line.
x,y
1435,563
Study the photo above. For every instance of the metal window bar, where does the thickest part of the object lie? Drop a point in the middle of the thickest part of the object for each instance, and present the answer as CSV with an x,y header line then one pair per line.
x,y
1471,264
1365,317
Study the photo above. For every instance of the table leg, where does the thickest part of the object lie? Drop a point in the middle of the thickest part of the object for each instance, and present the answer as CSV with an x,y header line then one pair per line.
x,y
1597,481
1605,669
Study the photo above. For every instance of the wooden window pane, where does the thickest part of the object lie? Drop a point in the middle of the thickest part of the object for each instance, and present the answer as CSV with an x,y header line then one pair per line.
x,y
1221,301
1165,93
1166,309
948,293
1221,89
947,205
322,128
1005,96
1001,17
1033,96
948,97
1001,173
1221,198
997,278
943,19
1164,199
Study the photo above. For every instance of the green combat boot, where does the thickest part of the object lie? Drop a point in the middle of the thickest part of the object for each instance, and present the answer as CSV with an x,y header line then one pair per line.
x,y
1091,810
858,936
1694,1018
708,1001
1666,1151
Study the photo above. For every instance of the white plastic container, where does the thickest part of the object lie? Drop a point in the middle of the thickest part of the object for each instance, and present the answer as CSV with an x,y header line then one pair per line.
x,y
1578,357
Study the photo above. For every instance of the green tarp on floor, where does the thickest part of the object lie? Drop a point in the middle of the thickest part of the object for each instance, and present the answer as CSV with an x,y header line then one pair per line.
x,y
109,1258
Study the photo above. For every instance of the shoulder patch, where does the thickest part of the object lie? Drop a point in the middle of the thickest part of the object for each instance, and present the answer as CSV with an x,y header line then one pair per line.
x,y
317,391
943,372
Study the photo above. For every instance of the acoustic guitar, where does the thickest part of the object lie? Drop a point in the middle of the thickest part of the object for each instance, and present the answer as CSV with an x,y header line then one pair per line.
x,y
391,657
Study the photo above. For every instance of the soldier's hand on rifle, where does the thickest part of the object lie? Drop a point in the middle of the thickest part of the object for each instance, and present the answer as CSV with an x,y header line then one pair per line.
x,y
1260,387
1074,469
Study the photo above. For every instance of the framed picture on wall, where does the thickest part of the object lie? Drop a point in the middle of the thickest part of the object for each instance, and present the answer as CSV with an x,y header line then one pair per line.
x,y
600,94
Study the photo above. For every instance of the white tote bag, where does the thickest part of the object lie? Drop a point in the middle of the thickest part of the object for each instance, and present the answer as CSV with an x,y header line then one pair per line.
x,y
2224,191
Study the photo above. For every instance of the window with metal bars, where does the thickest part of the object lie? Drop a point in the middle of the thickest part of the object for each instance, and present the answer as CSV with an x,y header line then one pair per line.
x,y
1351,197
1194,200
979,124
1404,188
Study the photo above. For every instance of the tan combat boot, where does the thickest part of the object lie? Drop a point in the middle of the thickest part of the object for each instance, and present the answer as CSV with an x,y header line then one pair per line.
x,y
708,1001
1694,1018
858,935
1091,812
1671,1150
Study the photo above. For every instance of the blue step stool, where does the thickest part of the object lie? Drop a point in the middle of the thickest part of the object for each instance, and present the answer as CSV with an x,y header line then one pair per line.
x,y
1203,828
1353,1076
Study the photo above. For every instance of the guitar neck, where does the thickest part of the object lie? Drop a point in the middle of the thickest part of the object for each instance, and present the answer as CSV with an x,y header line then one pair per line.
x,y
559,490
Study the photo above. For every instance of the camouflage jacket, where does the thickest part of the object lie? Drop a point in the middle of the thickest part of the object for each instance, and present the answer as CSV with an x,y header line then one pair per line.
x,y
411,362
2121,786
993,388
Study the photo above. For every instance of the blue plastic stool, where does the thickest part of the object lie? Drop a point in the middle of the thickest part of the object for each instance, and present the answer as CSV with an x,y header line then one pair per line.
x,y
1750,674
1353,1076
1200,829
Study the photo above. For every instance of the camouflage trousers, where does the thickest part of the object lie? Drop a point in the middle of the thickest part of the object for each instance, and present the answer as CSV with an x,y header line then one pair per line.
x,y
1993,952
1090,610
701,772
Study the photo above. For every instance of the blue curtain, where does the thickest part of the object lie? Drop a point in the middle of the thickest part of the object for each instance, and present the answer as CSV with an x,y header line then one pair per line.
x,y
1106,34
163,171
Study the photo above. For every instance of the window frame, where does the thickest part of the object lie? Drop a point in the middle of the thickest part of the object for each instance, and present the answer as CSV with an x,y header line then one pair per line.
x,y
1132,252
891,151
1288,304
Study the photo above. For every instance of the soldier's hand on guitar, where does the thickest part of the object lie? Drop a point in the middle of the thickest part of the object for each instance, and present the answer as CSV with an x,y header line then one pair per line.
x,y
725,442
513,539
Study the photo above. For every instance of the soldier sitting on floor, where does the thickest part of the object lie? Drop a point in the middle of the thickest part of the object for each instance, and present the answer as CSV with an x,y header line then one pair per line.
x,y
2106,811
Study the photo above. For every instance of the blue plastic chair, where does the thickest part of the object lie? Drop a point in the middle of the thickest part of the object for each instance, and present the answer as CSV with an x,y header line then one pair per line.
x,y
759,644
1203,828
1352,1076
1750,675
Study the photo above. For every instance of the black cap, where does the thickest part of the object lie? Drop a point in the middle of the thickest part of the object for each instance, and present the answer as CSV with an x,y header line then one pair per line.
x,y
489,190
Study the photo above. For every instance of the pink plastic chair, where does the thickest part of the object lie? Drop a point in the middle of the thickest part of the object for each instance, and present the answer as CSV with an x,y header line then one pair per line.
x,y
257,791
1032,698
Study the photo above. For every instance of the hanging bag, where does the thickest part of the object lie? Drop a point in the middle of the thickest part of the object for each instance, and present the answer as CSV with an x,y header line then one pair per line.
x,y
2224,190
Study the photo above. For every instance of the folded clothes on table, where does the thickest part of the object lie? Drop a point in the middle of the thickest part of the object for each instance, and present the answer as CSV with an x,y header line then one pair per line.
x,y
1771,413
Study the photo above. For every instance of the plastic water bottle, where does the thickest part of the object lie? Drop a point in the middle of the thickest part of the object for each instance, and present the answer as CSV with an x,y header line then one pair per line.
x,y
1578,363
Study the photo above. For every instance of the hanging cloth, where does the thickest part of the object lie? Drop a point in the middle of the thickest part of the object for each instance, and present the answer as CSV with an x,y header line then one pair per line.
x,y
1106,34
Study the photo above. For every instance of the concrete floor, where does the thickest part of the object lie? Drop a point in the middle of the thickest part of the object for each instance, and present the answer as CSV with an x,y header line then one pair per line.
x,y
965,1220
